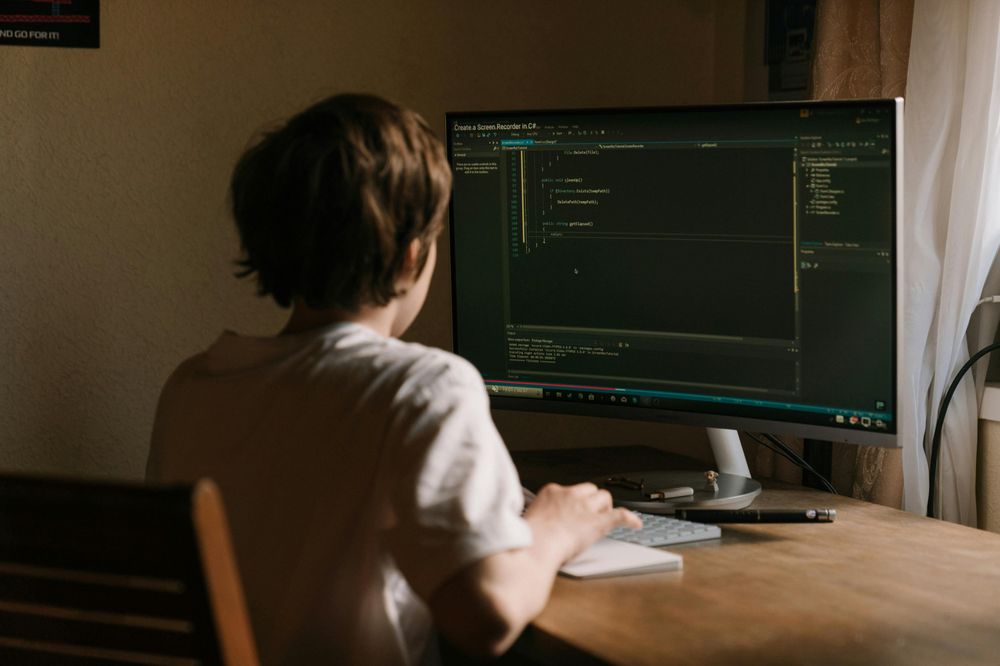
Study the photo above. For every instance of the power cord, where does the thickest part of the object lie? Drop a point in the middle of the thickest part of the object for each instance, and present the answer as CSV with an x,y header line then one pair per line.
x,y
805,464
788,453
939,425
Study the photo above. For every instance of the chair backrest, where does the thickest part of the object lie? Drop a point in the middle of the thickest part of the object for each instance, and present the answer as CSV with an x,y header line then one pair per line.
x,y
95,572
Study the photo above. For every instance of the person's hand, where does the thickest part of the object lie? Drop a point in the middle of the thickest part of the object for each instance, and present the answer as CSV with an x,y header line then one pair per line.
x,y
485,606
571,518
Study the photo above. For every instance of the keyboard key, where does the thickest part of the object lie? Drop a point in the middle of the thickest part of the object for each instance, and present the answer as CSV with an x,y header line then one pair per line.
x,y
660,530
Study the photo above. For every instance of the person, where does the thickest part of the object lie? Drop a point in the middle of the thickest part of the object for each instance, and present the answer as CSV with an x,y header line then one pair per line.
x,y
370,497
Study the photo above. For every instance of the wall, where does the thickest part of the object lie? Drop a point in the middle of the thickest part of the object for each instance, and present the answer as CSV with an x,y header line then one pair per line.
x,y
988,461
116,249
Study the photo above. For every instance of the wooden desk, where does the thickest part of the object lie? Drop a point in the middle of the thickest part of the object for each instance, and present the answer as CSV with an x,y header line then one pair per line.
x,y
878,586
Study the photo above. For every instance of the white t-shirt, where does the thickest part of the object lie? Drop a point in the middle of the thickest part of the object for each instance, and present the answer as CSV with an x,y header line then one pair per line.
x,y
358,472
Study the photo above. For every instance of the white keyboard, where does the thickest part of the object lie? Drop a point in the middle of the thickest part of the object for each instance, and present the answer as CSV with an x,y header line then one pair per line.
x,y
660,530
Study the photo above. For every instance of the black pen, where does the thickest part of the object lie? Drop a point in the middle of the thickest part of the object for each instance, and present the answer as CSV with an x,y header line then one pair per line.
x,y
757,515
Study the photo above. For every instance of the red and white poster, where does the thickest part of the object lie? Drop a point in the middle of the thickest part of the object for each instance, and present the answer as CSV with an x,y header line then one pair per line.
x,y
66,23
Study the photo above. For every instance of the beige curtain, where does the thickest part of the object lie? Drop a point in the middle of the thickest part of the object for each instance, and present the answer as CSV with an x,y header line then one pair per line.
x,y
861,50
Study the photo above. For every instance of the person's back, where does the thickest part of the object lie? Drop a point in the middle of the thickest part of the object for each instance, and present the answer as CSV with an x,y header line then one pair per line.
x,y
309,436
363,477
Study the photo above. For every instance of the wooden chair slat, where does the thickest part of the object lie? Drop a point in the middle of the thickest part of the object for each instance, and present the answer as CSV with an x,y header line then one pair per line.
x,y
97,572
88,633
95,597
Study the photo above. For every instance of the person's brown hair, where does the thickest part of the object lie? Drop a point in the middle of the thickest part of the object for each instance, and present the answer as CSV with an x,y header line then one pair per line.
x,y
327,204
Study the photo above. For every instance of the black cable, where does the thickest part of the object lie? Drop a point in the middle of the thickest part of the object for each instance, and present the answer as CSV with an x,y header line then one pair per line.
x,y
789,454
783,452
772,447
792,454
939,425
803,463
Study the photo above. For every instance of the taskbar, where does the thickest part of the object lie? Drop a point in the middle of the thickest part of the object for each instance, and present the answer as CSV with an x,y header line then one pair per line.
x,y
602,395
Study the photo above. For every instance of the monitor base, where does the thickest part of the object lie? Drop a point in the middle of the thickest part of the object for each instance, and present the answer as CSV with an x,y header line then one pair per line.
x,y
730,491
733,488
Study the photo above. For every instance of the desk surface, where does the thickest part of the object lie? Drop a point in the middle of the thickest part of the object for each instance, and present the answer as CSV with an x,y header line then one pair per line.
x,y
878,586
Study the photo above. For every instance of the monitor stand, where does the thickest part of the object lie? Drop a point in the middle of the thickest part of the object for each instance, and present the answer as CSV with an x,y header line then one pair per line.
x,y
733,489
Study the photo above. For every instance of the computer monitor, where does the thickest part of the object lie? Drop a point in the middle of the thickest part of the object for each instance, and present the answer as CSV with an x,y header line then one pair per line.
x,y
724,266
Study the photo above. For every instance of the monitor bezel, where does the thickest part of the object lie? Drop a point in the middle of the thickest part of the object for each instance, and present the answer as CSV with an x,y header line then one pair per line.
x,y
704,418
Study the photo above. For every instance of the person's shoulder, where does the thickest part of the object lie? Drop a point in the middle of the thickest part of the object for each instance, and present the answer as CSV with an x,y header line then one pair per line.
x,y
187,368
407,370
432,365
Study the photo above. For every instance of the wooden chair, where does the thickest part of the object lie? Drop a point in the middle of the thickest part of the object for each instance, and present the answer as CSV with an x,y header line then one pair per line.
x,y
107,573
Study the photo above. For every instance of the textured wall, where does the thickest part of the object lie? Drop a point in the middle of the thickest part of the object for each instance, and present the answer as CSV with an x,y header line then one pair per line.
x,y
115,248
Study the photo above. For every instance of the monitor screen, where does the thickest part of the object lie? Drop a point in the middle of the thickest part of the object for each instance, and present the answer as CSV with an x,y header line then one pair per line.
x,y
730,266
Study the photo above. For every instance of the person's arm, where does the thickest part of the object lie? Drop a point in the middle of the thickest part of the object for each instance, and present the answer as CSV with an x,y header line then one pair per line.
x,y
484,607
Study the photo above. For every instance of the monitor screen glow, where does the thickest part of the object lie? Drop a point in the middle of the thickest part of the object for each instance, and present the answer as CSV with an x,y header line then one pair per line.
x,y
727,266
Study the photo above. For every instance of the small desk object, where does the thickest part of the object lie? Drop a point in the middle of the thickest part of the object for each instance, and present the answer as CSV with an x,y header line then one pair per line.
x,y
877,586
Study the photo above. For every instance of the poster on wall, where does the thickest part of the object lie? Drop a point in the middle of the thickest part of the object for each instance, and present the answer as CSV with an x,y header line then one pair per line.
x,y
65,23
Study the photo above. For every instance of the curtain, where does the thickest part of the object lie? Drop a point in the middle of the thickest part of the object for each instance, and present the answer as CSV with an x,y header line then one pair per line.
x,y
952,222
861,51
